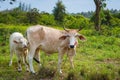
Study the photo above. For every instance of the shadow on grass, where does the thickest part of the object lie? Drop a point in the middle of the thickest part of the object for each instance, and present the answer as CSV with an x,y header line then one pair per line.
x,y
43,74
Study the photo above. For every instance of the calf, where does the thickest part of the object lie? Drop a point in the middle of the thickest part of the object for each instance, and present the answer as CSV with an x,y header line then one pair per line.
x,y
18,45
51,40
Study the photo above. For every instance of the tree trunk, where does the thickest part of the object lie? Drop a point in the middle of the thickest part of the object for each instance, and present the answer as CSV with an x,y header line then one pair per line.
x,y
97,15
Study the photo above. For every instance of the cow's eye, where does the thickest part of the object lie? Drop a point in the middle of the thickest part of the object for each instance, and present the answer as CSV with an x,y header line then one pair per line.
x,y
67,35
20,42
76,35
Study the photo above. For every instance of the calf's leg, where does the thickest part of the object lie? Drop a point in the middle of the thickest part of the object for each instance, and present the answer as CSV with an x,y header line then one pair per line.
x,y
11,56
25,61
19,56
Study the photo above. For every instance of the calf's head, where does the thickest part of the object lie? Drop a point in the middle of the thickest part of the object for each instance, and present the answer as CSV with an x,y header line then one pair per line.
x,y
72,36
21,42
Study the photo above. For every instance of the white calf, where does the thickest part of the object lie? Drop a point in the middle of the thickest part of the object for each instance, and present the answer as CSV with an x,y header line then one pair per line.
x,y
18,45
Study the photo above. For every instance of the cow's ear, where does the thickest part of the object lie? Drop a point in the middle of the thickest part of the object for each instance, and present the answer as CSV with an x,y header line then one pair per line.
x,y
15,42
81,37
62,37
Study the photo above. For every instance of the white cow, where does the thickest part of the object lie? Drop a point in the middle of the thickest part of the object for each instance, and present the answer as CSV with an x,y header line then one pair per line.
x,y
18,45
50,41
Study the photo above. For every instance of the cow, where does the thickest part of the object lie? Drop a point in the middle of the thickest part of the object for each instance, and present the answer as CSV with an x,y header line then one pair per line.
x,y
52,40
19,46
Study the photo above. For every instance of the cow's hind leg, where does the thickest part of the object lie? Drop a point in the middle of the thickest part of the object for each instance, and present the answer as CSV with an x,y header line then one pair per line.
x,y
37,56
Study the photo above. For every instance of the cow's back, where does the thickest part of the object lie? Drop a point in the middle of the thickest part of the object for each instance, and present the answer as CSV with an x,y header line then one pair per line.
x,y
44,37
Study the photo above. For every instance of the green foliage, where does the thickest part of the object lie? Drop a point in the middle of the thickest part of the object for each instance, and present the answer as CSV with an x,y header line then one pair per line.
x,y
46,19
6,30
99,76
115,22
59,11
33,16
107,16
74,22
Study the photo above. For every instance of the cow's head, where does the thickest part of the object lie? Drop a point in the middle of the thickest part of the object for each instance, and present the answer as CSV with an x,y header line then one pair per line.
x,y
21,42
72,36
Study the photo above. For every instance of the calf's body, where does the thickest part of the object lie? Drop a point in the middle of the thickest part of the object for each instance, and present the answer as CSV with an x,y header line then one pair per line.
x,y
18,45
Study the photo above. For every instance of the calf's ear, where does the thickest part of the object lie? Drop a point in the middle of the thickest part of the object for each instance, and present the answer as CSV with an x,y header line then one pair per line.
x,y
81,37
15,41
62,37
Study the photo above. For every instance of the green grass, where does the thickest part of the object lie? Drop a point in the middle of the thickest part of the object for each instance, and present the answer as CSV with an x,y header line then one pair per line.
x,y
97,59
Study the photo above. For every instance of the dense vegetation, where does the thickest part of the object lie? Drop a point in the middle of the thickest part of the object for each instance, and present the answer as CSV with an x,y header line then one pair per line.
x,y
97,59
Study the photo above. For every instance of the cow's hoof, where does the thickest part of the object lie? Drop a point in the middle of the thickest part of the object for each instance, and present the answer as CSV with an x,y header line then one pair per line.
x,y
33,74
19,70
27,70
60,71
10,64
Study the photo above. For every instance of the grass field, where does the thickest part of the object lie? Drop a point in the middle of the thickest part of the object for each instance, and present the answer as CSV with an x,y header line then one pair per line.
x,y
97,59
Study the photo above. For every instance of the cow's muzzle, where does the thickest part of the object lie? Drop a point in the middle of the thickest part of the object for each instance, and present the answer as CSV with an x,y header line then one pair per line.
x,y
71,46
25,46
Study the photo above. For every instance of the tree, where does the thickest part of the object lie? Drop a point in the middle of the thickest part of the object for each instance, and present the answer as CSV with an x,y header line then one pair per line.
x,y
33,16
107,17
59,11
100,4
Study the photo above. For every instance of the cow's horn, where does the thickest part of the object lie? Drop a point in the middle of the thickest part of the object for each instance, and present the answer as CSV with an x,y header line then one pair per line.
x,y
65,28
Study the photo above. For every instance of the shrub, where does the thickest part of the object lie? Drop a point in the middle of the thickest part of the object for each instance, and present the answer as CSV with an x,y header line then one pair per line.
x,y
74,22
109,40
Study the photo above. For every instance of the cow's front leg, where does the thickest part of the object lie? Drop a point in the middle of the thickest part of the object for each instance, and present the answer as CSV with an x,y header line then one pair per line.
x,y
71,61
60,56
71,54
30,58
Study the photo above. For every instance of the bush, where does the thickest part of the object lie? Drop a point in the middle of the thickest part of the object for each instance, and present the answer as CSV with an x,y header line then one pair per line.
x,y
74,22
6,31
116,32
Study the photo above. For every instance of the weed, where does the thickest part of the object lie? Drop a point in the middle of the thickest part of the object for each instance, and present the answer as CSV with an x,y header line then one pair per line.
x,y
83,72
110,40
119,72
99,76
45,73
71,76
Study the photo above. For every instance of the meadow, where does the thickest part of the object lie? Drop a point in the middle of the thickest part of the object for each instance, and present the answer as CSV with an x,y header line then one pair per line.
x,y
98,58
